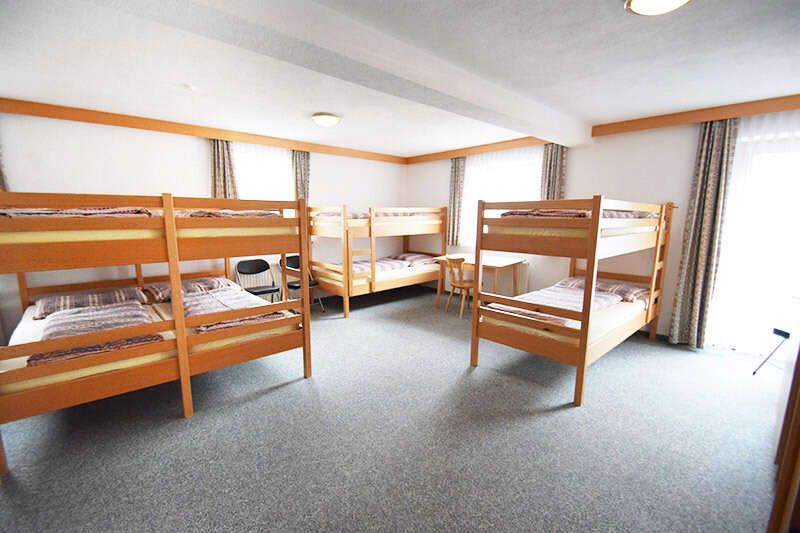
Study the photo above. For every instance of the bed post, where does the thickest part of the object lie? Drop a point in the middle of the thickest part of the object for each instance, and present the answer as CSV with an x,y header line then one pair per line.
x,y
177,304
372,249
572,265
284,280
347,263
24,298
659,268
304,279
139,275
3,462
228,272
478,278
588,296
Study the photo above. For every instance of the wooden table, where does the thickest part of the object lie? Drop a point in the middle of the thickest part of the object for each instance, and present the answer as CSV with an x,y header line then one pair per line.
x,y
493,264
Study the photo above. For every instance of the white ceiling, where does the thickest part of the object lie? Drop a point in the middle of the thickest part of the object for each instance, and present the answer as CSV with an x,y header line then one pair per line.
x,y
84,55
408,76
593,59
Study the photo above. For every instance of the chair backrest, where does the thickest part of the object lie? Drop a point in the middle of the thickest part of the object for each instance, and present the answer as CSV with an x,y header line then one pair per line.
x,y
293,261
254,273
455,265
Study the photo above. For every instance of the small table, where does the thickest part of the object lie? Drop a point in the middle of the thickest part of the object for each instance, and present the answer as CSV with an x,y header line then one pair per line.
x,y
493,264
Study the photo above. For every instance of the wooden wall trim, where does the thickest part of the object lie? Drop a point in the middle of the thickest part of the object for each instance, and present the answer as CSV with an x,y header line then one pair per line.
x,y
480,149
756,107
37,109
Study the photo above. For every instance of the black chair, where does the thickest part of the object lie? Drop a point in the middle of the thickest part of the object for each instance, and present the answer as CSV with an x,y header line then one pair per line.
x,y
293,262
255,276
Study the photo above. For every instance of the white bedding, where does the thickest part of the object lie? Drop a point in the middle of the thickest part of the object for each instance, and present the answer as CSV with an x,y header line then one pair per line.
x,y
385,275
30,330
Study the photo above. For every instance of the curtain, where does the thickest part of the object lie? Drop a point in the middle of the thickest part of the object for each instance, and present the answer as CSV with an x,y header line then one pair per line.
x,y
301,167
222,179
503,176
759,219
3,182
554,171
701,237
457,165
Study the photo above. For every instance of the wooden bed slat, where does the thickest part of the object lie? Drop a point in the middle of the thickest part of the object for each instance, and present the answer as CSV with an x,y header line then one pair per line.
x,y
207,360
527,244
196,339
39,257
528,321
68,200
85,361
529,306
213,247
233,314
23,404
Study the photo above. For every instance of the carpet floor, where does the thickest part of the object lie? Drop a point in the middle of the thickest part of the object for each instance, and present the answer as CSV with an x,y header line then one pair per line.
x,y
395,432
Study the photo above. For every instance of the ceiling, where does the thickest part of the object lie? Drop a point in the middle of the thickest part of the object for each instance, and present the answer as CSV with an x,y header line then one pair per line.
x,y
408,77
593,59
59,53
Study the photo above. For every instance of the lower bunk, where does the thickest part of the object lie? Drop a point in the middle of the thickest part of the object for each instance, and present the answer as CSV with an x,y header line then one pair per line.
x,y
548,322
391,272
84,349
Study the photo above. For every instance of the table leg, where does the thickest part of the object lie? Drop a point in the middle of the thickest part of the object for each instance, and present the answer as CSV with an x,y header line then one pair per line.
x,y
439,285
514,272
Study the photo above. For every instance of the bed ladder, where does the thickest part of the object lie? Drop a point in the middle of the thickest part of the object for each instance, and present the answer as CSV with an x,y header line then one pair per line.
x,y
659,268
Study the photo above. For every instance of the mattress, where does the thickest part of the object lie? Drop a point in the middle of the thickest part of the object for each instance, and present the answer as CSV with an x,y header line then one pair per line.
x,y
565,232
15,237
30,330
602,322
164,311
383,276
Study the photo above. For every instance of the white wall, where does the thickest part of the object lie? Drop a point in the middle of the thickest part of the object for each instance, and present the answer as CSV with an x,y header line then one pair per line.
x,y
649,166
360,184
47,155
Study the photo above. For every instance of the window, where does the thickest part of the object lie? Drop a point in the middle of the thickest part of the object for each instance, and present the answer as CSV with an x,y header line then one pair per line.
x,y
263,172
509,175
757,286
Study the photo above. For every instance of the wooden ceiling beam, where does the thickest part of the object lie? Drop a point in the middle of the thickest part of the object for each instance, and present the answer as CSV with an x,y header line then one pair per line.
x,y
756,107
37,109
480,149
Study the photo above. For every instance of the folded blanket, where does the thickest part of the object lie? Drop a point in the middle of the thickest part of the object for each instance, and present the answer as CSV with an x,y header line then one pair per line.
x,y
116,212
92,320
162,292
578,213
226,299
563,297
415,259
226,213
629,292
384,264
51,304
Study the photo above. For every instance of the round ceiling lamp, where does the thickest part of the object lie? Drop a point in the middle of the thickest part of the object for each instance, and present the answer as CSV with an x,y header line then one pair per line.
x,y
652,8
326,120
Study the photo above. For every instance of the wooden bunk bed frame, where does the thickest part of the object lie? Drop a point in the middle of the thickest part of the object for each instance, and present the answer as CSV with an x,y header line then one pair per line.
x,y
337,225
591,248
162,243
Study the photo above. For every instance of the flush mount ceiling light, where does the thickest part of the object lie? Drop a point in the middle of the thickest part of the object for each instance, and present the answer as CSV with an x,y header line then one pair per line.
x,y
653,7
326,120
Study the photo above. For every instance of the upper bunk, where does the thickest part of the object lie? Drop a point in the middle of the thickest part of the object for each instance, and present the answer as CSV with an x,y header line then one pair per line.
x,y
337,222
43,231
581,228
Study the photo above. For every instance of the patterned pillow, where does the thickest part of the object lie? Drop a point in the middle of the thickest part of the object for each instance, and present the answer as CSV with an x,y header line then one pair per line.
x,y
50,304
161,291
415,258
629,292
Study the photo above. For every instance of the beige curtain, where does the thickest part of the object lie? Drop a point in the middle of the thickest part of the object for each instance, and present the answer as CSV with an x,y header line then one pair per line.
x,y
3,182
554,171
301,167
457,166
701,237
222,178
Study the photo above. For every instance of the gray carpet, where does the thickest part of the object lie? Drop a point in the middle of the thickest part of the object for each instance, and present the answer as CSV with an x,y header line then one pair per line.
x,y
395,432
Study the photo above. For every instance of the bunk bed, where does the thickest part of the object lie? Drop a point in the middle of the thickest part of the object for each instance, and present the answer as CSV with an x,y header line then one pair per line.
x,y
105,338
582,318
354,276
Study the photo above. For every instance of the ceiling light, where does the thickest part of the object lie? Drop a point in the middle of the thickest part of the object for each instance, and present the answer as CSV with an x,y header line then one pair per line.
x,y
653,7
326,120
